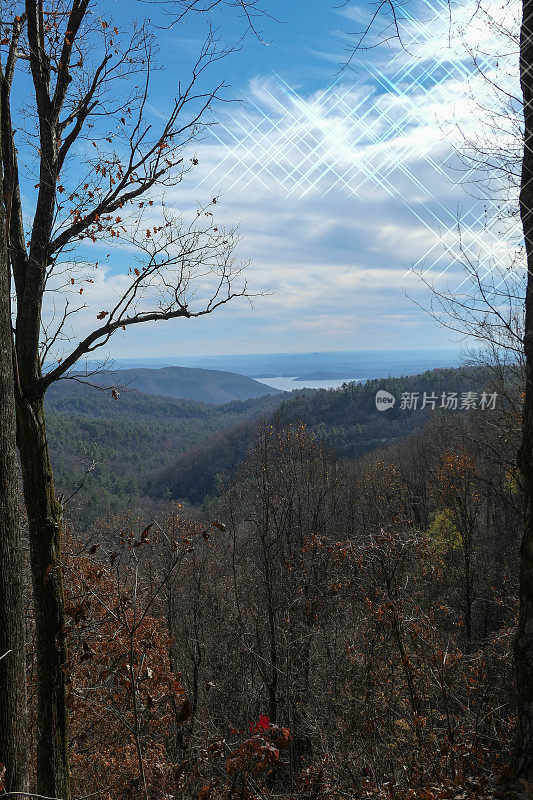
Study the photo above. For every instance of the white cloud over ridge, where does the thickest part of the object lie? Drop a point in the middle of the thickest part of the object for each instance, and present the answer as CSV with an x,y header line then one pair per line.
x,y
339,190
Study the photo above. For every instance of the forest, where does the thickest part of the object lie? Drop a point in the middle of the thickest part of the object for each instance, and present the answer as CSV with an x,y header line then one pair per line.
x,y
142,448
330,625
213,594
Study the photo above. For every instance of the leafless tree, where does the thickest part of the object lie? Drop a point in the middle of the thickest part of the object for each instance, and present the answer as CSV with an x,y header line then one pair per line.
x,y
102,163
500,312
13,713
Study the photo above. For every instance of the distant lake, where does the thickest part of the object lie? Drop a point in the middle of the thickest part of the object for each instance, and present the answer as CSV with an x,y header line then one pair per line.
x,y
290,384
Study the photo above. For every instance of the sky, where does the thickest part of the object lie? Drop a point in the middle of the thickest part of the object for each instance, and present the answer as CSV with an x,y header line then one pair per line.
x,y
343,174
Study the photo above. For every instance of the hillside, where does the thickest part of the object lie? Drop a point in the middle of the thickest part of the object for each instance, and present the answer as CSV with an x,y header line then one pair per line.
x,y
201,385
123,440
346,419
148,449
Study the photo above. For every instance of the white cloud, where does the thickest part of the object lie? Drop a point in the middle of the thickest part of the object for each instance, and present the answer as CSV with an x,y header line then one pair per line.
x,y
337,192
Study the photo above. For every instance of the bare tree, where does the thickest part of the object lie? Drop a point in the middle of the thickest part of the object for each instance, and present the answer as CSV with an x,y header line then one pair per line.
x,y
498,312
101,165
13,714
524,638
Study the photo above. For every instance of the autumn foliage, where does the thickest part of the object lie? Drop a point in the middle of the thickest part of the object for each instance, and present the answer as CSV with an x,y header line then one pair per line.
x,y
310,636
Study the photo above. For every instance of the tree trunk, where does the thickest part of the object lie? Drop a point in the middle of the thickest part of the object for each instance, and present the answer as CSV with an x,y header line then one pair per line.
x,y
524,636
13,710
468,599
45,523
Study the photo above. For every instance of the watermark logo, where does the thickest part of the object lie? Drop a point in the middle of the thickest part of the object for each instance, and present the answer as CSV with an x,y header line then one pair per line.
x,y
451,401
384,400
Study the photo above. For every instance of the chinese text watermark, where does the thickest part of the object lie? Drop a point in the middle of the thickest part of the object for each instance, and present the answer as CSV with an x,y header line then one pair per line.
x,y
450,401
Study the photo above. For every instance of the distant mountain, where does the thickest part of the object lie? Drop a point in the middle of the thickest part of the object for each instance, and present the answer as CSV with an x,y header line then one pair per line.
x,y
124,439
366,364
346,418
148,449
363,364
201,385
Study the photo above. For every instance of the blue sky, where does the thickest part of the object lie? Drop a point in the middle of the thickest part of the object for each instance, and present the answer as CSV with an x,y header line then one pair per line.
x,y
339,177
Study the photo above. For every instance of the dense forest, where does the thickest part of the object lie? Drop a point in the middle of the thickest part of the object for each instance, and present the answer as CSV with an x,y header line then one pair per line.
x,y
103,448
143,448
337,622
346,419
211,594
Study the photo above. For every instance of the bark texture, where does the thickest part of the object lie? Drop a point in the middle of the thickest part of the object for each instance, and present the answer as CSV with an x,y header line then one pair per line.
x,y
13,714
524,637
44,525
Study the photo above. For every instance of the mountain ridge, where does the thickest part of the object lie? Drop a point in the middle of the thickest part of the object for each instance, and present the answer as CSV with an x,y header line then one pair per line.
x,y
185,383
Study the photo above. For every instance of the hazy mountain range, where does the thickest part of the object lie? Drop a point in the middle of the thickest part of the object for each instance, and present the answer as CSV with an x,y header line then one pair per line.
x,y
201,385
362,364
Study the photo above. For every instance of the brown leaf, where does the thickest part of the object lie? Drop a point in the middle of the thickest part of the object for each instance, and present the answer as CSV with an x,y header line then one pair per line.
x,y
204,792
184,713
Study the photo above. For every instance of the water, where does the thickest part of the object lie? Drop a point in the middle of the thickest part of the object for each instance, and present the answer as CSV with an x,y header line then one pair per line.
x,y
290,384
